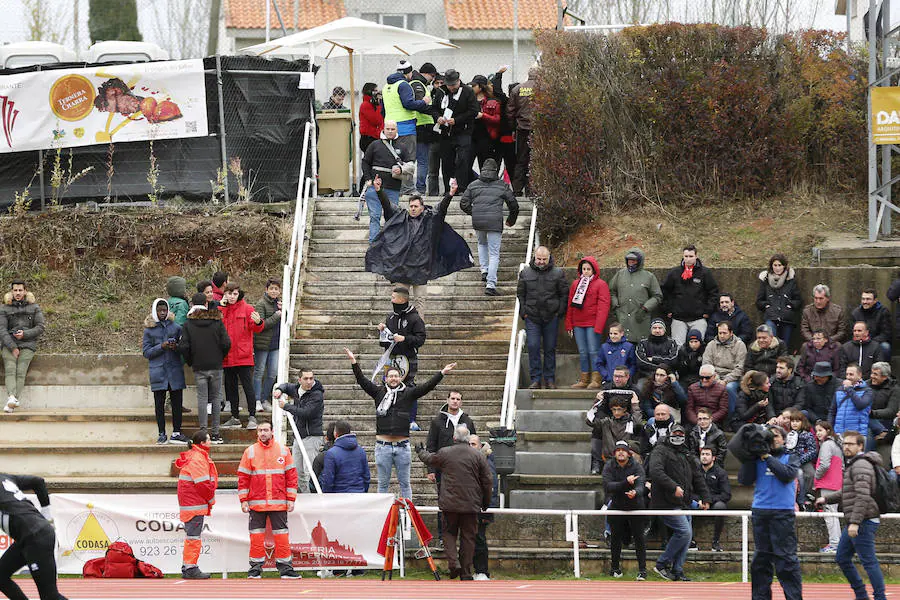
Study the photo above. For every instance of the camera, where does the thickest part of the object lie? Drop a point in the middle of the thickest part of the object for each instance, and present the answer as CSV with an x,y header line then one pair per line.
x,y
750,442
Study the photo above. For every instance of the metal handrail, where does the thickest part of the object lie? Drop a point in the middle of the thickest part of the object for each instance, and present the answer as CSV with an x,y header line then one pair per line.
x,y
513,359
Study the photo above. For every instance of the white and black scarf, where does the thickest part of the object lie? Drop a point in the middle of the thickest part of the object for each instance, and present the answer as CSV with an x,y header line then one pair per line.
x,y
581,291
390,397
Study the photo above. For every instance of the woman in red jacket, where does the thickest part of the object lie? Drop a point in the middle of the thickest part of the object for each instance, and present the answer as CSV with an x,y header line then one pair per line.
x,y
241,322
586,318
371,119
197,482
487,122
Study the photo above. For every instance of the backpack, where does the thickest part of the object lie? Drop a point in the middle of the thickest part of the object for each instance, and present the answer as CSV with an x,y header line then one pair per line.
x,y
119,563
887,492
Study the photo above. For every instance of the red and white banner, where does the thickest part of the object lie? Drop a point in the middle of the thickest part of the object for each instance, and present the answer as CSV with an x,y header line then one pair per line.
x,y
98,105
326,531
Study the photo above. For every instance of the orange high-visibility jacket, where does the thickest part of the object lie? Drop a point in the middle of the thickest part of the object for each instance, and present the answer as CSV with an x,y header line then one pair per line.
x,y
267,479
197,483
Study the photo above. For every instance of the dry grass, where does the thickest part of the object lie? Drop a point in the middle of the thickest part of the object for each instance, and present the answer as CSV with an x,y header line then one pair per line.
x,y
726,235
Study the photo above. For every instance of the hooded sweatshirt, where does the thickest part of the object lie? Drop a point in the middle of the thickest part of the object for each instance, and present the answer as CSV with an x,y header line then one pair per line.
x,y
594,309
176,287
166,370
346,468
484,199
204,342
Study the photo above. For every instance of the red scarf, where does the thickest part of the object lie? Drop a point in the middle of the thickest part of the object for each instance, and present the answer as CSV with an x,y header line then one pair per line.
x,y
688,273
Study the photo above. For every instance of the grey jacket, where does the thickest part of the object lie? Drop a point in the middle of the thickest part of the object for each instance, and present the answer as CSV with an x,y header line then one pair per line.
x,y
727,358
25,315
484,199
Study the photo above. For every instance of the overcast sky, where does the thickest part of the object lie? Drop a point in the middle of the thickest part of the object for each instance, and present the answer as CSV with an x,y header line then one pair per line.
x,y
13,27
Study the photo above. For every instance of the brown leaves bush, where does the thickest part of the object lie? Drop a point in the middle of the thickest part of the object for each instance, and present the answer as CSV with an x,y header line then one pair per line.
x,y
671,113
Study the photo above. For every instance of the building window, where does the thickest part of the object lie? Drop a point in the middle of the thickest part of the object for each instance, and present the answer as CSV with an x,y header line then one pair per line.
x,y
414,22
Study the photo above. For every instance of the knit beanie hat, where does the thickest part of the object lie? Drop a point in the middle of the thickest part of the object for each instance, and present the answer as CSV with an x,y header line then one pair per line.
x,y
694,334
404,67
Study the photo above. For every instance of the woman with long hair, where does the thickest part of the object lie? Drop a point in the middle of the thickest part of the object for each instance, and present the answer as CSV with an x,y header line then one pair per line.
x,y
829,477
197,482
778,298
663,388
586,319
487,122
371,116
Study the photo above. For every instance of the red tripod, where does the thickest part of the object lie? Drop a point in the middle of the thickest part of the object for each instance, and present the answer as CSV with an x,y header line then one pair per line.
x,y
392,540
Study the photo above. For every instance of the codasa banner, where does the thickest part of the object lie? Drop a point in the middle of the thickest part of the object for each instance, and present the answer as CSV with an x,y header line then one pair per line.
x,y
326,531
98,105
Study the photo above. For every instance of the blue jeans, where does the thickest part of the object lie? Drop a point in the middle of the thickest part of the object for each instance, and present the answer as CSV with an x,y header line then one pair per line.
x,y
489,254
423,150
864,547
676,549
775,538
387,457
265,370
732,390
374,206
541,339
588,342
783,331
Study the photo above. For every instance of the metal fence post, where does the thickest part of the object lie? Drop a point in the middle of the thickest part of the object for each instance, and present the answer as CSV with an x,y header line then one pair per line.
x,y
41,176
222,145
745,548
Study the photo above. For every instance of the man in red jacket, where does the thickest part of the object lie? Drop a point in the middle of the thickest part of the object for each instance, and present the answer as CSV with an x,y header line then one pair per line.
x,y
267,488
197,482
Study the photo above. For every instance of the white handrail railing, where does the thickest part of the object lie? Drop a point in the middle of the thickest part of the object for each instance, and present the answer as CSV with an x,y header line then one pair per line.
x,y
513,359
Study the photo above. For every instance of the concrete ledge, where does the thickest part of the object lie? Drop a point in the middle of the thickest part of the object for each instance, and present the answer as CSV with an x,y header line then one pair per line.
x,y
551,420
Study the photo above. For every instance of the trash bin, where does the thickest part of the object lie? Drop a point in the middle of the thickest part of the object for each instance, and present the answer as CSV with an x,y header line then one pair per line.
x,y
334,144
503,443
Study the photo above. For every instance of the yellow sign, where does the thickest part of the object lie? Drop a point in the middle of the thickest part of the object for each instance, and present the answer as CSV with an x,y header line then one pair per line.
x,y
885,115
72,97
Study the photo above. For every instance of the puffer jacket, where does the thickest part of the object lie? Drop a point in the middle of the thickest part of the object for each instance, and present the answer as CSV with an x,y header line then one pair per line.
x,y
542,292
810,355
714,397
240,328
484,198
653,351
727,357
690,299
878,321
595,309
176,287
865,354
197,483
831,321
715,439
466,482
857,496
166,369
747,408
396,420
615,484
786,394
267,479
671,468
346,469
25,315
764,359
635,297
266,307
204,342
851,407
307,407
779,304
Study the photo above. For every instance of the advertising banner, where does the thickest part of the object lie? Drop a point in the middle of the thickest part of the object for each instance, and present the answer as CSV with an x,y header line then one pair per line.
x,y
885,115
326,531
62,108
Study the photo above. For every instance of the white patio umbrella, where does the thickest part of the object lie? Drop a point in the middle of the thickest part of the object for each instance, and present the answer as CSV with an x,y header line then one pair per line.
x,y
349,36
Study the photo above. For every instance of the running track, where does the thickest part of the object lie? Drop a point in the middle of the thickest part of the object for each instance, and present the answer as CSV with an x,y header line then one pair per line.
x,y
337,589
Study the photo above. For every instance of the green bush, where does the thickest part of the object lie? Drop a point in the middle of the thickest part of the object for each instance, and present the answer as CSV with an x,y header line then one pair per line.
x,y
670,113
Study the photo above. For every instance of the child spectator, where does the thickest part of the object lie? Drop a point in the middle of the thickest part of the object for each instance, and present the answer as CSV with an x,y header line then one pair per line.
x,y
176,287
690,359
219,279
241,322
620,426
159,346
616,351
829,477
801,442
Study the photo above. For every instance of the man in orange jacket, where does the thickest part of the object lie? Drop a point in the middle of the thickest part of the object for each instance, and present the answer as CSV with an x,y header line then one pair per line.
x,y
267,488
197,484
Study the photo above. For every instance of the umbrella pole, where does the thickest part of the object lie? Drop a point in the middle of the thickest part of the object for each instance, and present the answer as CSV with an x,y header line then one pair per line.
x,y
352,121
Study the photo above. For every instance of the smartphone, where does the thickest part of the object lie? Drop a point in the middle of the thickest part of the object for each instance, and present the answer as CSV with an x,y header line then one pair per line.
x,y
452,181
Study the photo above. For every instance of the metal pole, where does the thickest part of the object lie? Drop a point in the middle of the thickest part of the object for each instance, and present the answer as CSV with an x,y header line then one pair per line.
x,y
268,16
886,149
745,549
873,150
515,65
222,147
41,176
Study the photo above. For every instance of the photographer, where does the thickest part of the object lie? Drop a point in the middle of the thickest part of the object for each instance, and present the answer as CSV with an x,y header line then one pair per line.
x,y
774,535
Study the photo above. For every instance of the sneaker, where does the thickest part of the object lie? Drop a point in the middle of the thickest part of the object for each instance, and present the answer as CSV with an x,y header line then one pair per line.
x,y
484,276
226,407
251,423
550,384
324,573
255,572
266,406
615,573
682,577
291,574
693,546
481,577
829,549
641,576
178,438
232,423
193,573
259,406
216,439
717,547
208,408
489,291
438,546
12,402
535,385
413,426
162,439
664,572
185,410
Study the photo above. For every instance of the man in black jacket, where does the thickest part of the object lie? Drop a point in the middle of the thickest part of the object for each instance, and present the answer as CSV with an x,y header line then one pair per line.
x,y
483,200
623,484
862,350
307,409
459,108
734,314
690,294
386,159
417,246
422,84
35,538
784,387
204,343
543,293
877,318
675,478
403,332
392,403
719,490
885,401
818,393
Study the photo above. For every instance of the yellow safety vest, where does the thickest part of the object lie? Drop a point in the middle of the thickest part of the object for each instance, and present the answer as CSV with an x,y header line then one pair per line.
x,y
393,107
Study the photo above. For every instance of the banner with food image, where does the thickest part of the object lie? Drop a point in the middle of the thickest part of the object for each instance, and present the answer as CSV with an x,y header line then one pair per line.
x,y
62,108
